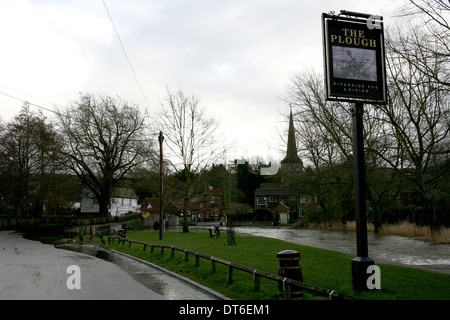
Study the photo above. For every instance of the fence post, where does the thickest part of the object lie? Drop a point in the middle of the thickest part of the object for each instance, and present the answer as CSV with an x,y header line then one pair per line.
x,y
145,246
151,248
256,281
197,260
172,252
286,290
186,255
162,249
213,265
230,274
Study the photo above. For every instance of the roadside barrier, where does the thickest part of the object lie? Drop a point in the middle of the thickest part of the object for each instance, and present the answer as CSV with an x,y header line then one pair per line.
x,y
285,283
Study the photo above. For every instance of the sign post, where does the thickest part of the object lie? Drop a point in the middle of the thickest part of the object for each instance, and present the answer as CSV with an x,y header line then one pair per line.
x,y
161,186
355,73
362,261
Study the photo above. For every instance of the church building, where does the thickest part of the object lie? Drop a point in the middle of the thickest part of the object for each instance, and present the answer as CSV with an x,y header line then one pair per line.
x,y
292,162
283,195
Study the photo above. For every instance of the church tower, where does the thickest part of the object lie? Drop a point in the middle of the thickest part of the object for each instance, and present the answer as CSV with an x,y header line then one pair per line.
x,y
292,162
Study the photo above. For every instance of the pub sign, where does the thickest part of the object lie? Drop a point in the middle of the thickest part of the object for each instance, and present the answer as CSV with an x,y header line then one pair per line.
x,y
354,59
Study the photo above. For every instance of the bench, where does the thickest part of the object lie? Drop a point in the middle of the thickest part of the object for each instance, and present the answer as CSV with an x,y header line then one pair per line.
x,y
216,232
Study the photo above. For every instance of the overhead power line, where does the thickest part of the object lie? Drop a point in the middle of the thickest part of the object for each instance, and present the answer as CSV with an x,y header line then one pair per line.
x,y
125,53
30,103
27,94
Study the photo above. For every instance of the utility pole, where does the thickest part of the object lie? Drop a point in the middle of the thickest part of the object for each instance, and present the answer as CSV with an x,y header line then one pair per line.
x,y
161,185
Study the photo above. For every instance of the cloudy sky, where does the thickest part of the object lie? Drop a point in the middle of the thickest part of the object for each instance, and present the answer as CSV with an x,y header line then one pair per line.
x,y
237,56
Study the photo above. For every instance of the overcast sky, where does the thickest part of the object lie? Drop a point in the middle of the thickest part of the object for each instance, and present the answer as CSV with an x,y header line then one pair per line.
x,y
237,56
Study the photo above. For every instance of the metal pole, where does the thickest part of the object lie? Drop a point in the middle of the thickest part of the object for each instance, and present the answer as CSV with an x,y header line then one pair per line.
x,y
161,182
110,202
362,261
359,180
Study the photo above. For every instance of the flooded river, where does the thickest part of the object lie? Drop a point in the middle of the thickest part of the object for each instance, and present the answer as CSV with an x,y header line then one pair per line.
x,y
382,249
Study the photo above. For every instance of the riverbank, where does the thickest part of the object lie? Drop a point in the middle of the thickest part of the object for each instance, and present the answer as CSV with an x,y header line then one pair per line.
x,y
405,229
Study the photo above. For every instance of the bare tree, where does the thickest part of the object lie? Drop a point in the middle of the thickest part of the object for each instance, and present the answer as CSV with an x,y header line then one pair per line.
x,y
417,117
105,139
407,141
325,134
29,147
428,39
324,137
191,139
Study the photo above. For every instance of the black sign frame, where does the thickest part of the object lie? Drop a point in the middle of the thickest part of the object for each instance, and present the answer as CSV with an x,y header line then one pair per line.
x,y
354,59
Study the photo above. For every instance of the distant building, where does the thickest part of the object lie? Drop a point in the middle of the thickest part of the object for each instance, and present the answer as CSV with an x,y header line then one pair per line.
x,y
123,200
209,205
206,205
271,195
284,197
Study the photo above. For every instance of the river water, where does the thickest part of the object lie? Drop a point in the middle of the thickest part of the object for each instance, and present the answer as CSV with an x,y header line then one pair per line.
x,y
382,249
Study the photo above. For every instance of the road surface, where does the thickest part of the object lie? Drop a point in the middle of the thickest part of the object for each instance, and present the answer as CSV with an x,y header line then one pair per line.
x,y
31,270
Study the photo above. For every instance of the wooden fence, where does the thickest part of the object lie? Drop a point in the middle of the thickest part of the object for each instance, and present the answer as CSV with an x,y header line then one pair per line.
x,y
287,283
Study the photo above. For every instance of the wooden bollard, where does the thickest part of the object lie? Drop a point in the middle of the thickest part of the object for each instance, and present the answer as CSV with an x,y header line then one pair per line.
x,y
289,267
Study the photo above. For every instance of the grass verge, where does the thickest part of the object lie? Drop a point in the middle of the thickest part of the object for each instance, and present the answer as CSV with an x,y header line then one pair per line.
x,y
324,268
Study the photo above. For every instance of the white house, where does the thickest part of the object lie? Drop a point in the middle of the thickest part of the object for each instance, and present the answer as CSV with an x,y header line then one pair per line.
x,y
123,200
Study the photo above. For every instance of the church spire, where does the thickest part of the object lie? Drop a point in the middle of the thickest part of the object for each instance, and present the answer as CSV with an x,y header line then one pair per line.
x,y
292,160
